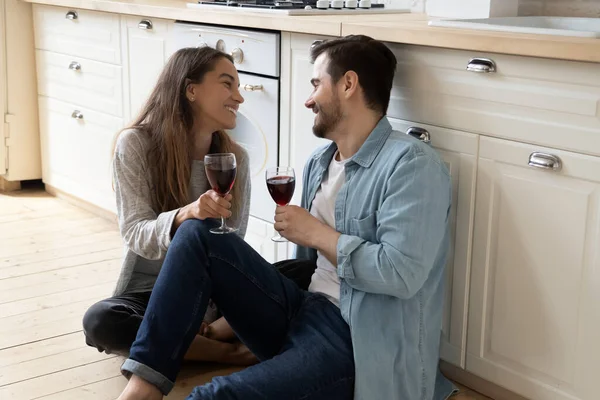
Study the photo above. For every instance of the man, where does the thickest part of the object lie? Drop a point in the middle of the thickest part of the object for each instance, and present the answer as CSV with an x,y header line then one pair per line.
x,y
374,219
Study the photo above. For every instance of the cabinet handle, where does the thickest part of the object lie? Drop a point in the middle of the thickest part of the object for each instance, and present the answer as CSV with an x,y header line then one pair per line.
x,y
419,133
77,115
545,161
481,65
75,66
72,15
145,24
252,88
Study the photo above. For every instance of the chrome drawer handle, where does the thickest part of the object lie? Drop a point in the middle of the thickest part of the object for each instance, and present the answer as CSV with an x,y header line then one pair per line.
x,y
545,161
419,133
481,65
145,24
77,115
75,66
252,88
72,15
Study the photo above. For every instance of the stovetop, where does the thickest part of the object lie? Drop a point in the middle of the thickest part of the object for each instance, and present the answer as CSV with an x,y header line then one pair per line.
x,y
294,7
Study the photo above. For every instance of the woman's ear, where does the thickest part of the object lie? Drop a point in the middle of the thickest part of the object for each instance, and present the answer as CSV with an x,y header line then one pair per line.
x,y
191,91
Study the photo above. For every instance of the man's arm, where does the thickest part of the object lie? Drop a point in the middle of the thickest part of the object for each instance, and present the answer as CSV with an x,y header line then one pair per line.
x,y
412,223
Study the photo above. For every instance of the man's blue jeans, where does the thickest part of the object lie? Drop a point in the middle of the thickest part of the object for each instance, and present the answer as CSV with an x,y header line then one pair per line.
x,y
301,339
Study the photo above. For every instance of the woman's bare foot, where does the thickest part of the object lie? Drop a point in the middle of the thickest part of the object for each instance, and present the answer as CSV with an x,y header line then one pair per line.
x,y
241,356
218,330
139,389
205,349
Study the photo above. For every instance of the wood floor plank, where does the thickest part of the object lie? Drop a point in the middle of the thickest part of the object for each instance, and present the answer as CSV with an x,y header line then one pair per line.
x,y
108,389
50,277
192,376
76,279
45,239
50,301
83,245
31,351
28,321
94,224
40,332
63,380
60,263
50,364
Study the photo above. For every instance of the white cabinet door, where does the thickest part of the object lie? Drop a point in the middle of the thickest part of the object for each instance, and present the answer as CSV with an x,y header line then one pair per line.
x,y
258,235
77,148
300,138
146,57
459,152
534,309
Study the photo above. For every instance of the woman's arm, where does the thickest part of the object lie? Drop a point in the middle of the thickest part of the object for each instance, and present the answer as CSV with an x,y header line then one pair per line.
x,y
145,232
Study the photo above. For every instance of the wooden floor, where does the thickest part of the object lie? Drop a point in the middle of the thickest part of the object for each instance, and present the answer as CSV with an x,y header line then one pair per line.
x,y
55,261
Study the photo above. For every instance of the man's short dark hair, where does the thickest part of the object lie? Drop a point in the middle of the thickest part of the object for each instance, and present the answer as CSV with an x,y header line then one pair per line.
x,y
373,62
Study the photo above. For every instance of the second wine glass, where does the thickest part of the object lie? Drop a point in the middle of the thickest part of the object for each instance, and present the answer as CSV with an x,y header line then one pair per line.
x,y
281,182
221,170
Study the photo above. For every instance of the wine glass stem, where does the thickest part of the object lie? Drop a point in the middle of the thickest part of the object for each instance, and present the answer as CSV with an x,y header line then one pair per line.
x,y
222,222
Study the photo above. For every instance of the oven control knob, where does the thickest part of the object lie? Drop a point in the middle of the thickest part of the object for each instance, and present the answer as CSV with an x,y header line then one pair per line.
x,y
338,4
238,55
364,4
322,4
220,45
351,3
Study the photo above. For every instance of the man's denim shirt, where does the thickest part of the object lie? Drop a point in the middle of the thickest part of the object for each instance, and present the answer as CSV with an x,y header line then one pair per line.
x,y
393,214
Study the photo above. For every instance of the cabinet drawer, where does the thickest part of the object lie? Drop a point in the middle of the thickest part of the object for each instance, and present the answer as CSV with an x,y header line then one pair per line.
x,y
540,101
81,33
77,152
87,83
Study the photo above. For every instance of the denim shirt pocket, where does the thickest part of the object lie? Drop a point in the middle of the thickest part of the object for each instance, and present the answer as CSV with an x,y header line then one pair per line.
x,y
365,228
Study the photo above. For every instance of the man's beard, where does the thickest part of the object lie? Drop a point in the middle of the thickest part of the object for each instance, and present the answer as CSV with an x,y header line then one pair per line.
x,y
327,121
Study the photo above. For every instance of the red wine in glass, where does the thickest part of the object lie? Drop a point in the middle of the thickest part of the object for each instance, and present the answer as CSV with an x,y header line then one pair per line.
x,y
281,189
221,170
281,182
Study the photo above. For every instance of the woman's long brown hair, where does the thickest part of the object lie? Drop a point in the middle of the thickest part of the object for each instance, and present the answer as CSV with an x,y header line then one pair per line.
x,y
167,119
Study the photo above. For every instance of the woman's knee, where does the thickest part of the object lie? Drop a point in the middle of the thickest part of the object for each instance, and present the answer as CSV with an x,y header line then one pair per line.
x,y
98,328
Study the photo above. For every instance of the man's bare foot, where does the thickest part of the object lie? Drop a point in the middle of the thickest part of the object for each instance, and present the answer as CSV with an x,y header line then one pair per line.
x,y
139,389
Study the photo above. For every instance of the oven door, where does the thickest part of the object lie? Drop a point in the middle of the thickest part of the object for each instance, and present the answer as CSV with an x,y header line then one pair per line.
x,y
257,131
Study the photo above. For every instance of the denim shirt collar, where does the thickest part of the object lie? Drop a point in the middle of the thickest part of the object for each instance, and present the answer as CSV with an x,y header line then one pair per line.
x,y
368,151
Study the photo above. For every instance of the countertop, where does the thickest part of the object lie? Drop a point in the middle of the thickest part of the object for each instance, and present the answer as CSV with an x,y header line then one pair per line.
x,y
398,28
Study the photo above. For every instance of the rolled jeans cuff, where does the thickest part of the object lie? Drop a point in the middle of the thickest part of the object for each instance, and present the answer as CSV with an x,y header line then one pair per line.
x,y
130,367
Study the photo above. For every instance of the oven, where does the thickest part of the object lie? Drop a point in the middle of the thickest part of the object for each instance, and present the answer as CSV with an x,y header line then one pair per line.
x,y
256,57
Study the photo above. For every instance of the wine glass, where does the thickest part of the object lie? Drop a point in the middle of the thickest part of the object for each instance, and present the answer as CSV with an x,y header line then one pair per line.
x,y
281,182
221,169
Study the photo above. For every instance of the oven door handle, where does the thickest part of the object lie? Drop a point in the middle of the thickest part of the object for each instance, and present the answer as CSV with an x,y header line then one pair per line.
x,y
252,88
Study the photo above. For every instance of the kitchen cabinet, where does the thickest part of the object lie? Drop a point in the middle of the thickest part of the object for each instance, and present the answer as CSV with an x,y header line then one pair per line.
x,y
459,151
19,130
533,313
81,108
146,55
301,141
77,147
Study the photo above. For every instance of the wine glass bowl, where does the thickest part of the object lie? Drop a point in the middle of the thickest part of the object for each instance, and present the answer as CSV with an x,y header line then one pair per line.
x,y
281,183
221,170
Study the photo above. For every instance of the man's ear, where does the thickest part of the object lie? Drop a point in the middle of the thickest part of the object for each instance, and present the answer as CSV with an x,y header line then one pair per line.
x,y
350,83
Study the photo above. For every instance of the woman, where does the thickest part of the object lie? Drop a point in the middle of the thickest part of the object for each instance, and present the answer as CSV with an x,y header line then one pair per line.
x,y
160,182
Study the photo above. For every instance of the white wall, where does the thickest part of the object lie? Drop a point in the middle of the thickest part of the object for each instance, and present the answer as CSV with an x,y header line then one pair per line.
x,y
564,8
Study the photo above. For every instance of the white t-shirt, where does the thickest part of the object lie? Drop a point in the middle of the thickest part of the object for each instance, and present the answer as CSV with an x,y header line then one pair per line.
x,y
325,279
